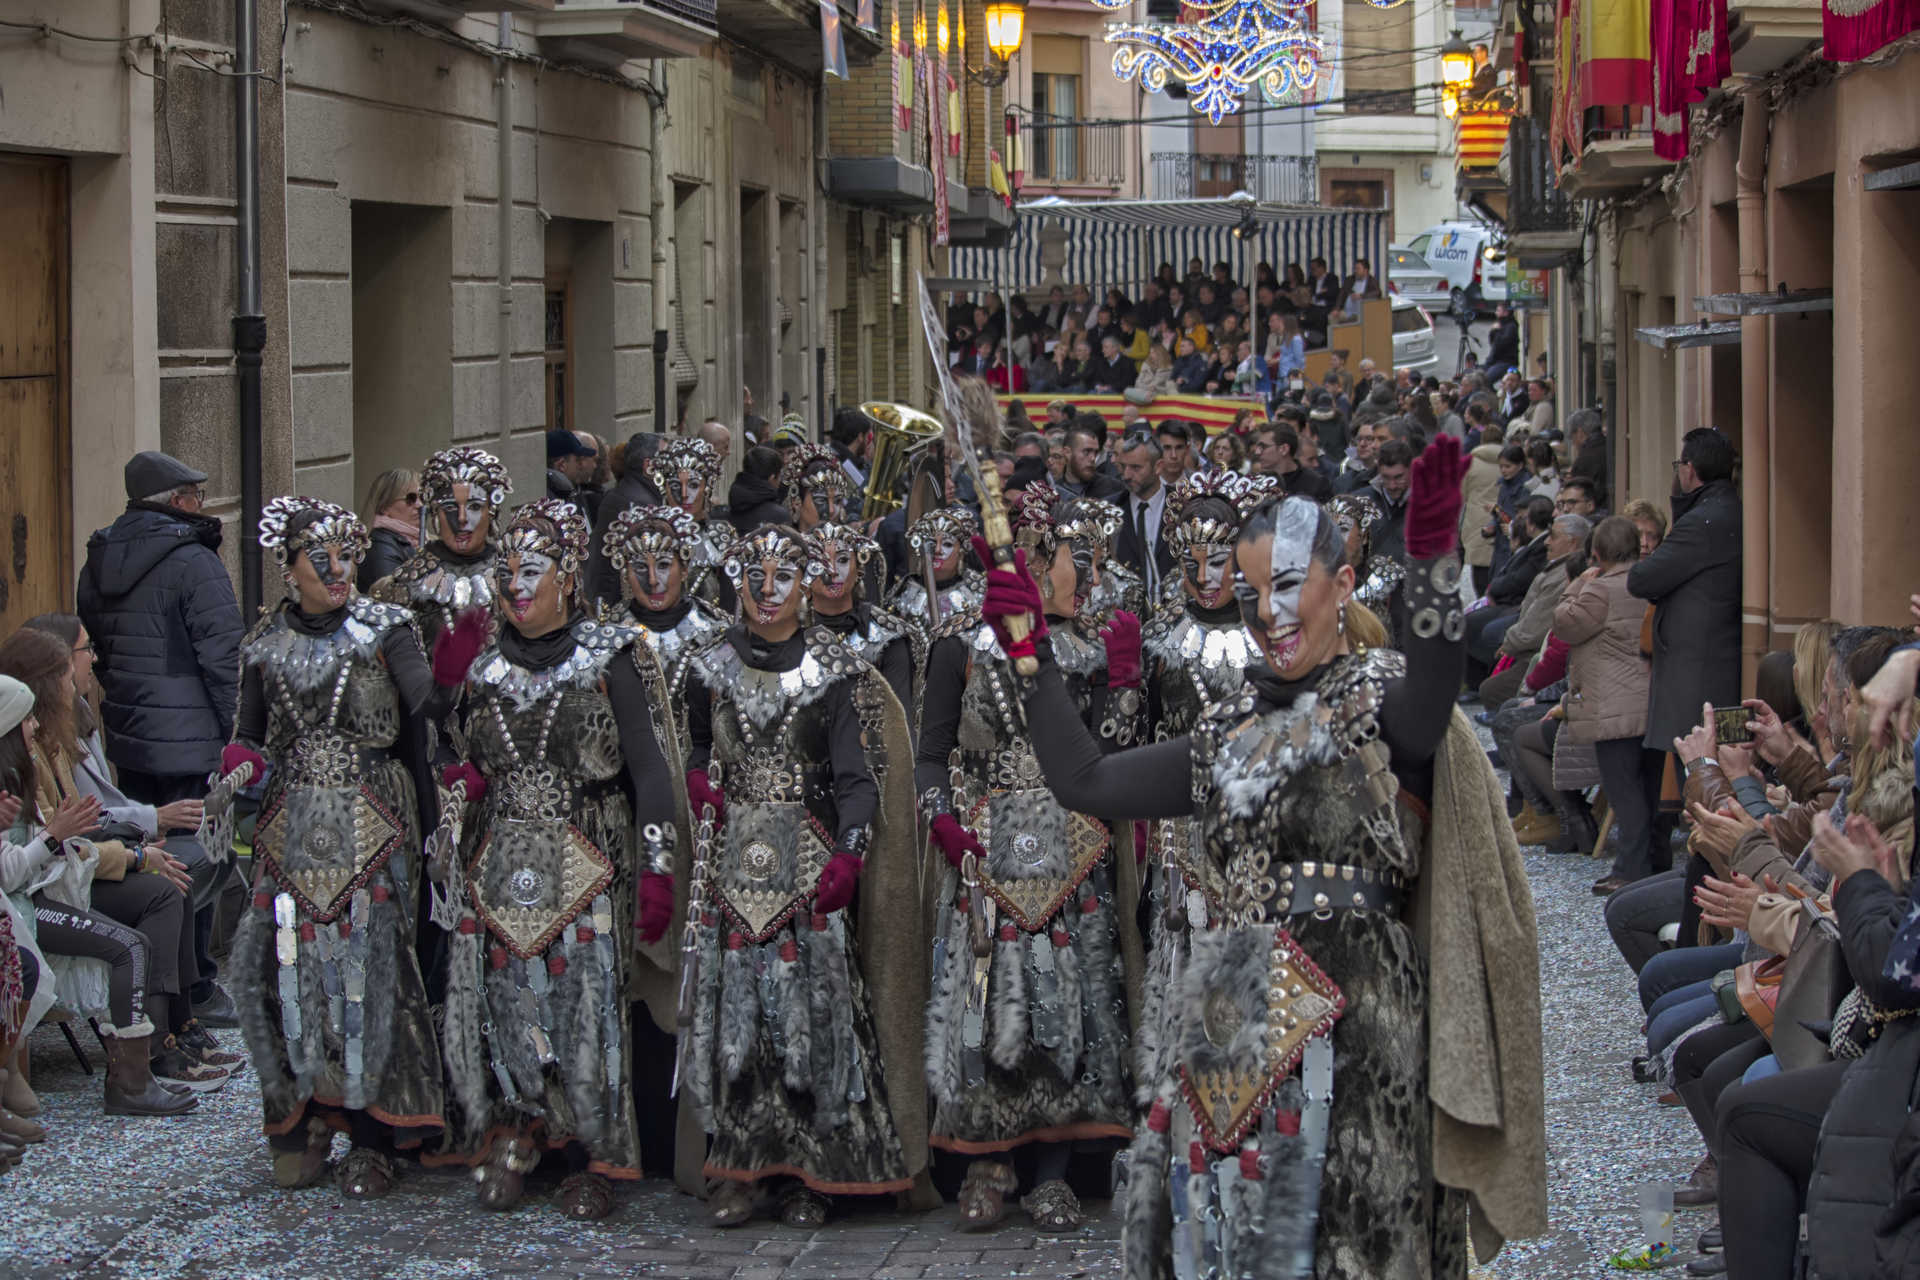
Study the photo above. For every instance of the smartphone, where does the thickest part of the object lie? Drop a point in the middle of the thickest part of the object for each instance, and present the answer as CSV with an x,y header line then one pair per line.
x,y
1730,725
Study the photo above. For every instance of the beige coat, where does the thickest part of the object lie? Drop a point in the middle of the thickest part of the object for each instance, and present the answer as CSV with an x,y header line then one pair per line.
x,y
1607,679
1479,487
1529,630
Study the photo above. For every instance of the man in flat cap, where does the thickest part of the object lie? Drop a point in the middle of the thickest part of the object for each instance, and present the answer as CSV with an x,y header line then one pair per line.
x,y
160,612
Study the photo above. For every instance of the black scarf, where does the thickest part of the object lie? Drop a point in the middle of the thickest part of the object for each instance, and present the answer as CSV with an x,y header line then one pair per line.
x,y
661,619
767,655
1228,612
448,556
845,624
1275,692
538,653
315,624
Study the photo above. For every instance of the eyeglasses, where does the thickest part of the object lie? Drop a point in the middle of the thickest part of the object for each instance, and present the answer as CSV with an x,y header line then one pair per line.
x,y
84,648
1679,464
413,499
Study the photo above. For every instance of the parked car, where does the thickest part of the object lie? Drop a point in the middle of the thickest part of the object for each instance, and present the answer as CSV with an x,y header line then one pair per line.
x,y
1412,276
1413,338
1470,257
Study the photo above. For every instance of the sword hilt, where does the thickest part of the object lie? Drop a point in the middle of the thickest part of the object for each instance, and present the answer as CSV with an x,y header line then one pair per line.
x,y
976,900
1175,911
998,536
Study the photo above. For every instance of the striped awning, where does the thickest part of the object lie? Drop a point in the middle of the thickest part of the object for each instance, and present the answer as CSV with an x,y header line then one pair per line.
x,y
1479,137
1122,242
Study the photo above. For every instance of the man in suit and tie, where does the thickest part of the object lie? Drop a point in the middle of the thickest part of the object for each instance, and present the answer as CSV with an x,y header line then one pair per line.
x,y
1142,542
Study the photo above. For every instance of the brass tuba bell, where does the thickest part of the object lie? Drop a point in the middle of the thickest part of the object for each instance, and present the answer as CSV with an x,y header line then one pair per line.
x,y
899,432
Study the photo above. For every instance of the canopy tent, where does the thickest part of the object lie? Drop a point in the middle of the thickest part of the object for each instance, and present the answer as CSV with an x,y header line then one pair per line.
x,y
1121,242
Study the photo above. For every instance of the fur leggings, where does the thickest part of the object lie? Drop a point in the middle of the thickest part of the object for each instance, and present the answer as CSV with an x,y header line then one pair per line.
x,y
63,931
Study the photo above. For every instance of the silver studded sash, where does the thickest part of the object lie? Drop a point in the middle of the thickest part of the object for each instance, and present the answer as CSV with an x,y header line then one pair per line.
x,y
323,842
1038,853
531,878
771,858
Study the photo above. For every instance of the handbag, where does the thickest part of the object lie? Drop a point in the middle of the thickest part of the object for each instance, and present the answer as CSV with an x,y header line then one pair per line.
x,y
1757,987
1646,634
1813,983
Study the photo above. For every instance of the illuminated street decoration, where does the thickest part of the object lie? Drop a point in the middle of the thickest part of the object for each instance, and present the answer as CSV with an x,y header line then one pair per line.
x,y
1234,46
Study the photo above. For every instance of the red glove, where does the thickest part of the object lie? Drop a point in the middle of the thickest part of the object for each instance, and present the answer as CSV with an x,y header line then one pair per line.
x,y
656,905
1010,593
455,648
1123,650
701,793
236,755
1506,660
1434,499
464,772
955,840
837,881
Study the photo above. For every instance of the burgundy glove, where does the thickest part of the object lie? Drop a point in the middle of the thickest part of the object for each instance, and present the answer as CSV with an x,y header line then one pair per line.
x,y
455,648
1434,499
656,905
837,881
464,772
701,793
236,755
1010,593
955,840
1123,650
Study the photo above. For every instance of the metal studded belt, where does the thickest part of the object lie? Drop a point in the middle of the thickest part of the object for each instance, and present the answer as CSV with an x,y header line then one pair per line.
x,y
1321,888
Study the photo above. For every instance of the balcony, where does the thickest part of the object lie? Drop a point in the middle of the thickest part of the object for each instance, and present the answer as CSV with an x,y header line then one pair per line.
x,y
789,31
446,12
1067,157
607,33
982,219
1478,136
1181,175
1617,156
1543,226
1766,36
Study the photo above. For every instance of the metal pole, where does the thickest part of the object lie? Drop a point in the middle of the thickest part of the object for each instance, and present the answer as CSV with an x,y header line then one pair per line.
x,y
503,231
657,161
249,325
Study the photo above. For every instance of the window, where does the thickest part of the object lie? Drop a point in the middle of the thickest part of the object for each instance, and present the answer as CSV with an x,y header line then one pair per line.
x,y
559,344
1056,151
1378,60
1356,193
1410,320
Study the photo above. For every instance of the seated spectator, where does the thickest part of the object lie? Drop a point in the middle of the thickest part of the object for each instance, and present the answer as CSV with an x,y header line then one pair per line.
x,y
1190,367
1566,535
1111,372
1487,625
1195,329
1542,463
1134,342
1156,374
1003,375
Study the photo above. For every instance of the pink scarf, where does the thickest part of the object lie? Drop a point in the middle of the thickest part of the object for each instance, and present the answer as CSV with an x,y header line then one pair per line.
x,y
408,529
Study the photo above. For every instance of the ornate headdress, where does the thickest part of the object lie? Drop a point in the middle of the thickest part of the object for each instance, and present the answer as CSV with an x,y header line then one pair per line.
x,y
849,536
1087,520
812,466
483,473
1031,514
1353,510
768,542
959,523
684,453
552,528
1195,501
290,524
639,531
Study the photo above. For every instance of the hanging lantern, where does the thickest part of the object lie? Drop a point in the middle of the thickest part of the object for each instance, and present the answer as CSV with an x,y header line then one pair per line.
x,y
1456,61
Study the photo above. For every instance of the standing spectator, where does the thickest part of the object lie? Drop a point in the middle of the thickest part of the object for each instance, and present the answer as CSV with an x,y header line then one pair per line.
x,y
1587,445
1227,454
1360,287
851,435
166,629
1142,544
1279,450
1503,342
1357,472
599,478
1693,582
1480,488
1329,426
1082,476
1606,702
1176,439
1389,490
632,489
570,463
1516,486
392,517
754,498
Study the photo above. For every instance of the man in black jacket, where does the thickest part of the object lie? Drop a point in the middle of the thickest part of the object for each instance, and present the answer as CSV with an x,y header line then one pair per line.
x,y
1112,372
1487,626
160,611
1503,342
754,498
630,490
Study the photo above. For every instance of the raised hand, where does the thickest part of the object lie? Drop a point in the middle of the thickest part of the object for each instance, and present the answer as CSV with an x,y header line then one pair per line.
x,y
1010,593
75,815
1122,637
1435,498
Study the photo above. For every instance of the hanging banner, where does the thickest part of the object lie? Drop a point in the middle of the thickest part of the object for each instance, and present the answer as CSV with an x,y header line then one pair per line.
x,y
953,114
937,147
833,46
902,80
863,16
1853,29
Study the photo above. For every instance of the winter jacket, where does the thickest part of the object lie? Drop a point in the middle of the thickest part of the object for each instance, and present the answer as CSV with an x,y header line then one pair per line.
x,y
388,552
1509,585
1479,487
1155,382
1190,373
1606,676
166,631
632,489
754,502
1525,634
1508,495
1694,579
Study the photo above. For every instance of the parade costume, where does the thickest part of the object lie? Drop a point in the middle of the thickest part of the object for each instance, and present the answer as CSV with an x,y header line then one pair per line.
x,y
653,550
1335,1093
802,1053
564,735
838,556
1030,1041
815,488
324,977
686,471
1120,586
942,586
1376,579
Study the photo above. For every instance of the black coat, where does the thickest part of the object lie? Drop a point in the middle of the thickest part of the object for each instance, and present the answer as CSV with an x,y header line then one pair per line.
x,y
1503,343
752,502
1389,537
1128,549
1693,580
1509,585
1308,482
157,602
388,552
632,490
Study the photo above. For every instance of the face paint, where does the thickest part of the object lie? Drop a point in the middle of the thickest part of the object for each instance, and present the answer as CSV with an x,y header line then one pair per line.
x,y
464,517
520,578
842,568
946,555
1294,526
829,504
1086,567
770,585
686,490
1209,568
656,580
322,576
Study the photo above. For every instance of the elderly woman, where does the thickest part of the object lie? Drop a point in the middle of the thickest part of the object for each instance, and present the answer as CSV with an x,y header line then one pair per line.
x,y
392,517
1606,702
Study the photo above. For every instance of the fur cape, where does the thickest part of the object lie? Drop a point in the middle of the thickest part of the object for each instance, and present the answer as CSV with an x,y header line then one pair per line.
x,y
1473,916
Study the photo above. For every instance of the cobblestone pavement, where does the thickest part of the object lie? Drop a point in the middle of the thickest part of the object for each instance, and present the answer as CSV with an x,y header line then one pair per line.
x,y
193,1197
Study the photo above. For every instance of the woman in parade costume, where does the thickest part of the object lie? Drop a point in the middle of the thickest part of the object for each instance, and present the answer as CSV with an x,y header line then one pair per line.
x,y
686,471
939,540
1375,578
652,548
570,796
1354,1083
328,990
1116,586
803,1051
1029,1043
816,490
837,560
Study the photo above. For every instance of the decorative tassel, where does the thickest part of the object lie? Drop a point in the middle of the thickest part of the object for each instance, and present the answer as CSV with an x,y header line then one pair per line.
x,y
1066,966
795,1015
1007,1004
832,1102
943,1011
706,1017
739,1008
1146,1218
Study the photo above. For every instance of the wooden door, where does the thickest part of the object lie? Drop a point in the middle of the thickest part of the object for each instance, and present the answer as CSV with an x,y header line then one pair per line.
x,y
36,536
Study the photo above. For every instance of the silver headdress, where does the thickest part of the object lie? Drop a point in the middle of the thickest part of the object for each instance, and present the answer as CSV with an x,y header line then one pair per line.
x,y
680,454
484,474
769,542
640,531
552,528
289,524
812,466
958,523
1195,506
822,536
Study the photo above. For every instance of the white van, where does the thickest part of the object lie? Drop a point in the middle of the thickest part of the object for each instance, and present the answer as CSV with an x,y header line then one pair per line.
x,y
1467,254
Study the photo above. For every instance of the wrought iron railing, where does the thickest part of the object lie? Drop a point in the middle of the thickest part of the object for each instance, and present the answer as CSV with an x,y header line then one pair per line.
x,y
1184,175
1534,200
1379,102
1063,152
702,12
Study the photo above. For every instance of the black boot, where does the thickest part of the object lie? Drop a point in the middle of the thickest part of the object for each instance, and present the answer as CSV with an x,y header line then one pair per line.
x,y
131,1089
1577,833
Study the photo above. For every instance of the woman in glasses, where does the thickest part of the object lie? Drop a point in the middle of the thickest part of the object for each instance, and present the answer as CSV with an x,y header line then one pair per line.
x,y
392,515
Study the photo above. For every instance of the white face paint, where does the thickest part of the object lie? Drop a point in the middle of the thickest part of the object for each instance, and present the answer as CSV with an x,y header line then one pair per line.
x,y
946,555
656,580
1295,523
1209,571
520,578
770,586
322,576
842,568
686,490
464,516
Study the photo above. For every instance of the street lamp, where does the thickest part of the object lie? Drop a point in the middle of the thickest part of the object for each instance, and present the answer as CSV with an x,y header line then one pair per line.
x,y
1456,62
943,30
1006,27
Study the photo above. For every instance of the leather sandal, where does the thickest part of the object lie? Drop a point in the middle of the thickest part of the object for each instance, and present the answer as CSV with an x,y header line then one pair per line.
x,y
731,1204
503,1178
1053,1207
366,1174
803,1210
983,1195
585,1197
295,1169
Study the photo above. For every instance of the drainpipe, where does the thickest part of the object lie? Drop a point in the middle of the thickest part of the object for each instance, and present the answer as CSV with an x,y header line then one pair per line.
x,y
817,313
503,269
249,324
657,208
1750,184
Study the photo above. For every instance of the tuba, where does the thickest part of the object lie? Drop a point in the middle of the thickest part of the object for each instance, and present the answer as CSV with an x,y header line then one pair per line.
x,y
898,433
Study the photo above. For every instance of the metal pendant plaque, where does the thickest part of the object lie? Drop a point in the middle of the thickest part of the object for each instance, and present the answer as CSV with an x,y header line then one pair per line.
x,y
529,881
1237,979
1199,873
771,859
322,843
1037,853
